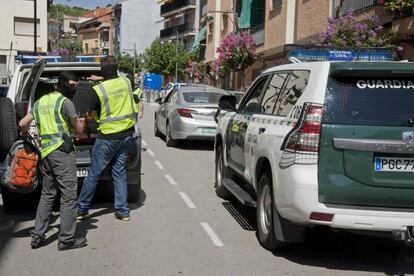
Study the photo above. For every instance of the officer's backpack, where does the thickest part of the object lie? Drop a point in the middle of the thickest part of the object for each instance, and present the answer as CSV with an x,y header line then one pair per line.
x,y
22,167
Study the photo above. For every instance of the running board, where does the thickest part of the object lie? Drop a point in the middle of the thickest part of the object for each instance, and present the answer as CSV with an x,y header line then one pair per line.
x,y
239,193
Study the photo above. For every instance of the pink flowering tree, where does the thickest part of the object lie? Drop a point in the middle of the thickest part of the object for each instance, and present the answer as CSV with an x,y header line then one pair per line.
x,y
348,32
397,8
236,53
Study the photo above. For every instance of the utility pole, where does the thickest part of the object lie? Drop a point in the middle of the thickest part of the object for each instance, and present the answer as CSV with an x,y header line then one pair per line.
x,y
35,26
135,58
176,58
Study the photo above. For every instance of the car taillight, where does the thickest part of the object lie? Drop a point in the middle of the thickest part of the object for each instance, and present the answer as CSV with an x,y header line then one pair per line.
x,y
305,134
185,112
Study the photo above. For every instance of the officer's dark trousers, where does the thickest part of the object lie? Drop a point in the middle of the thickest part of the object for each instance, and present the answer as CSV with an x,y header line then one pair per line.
x,y
59,173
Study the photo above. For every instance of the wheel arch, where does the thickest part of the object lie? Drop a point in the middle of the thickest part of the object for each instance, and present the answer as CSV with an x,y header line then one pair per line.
x,y
262,165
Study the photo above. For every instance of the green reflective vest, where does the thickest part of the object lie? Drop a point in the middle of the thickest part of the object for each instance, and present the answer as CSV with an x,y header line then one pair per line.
x,y
138,92
118,111
50,123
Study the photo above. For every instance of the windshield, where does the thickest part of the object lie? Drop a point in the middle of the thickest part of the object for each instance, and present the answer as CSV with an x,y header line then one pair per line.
x,y
202,97
378,101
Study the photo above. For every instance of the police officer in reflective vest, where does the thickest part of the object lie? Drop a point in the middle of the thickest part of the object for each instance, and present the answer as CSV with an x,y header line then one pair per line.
x,y
116,110
56,120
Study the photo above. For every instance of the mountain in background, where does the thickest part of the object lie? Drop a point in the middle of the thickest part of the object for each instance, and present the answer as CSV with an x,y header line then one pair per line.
x,y
58,10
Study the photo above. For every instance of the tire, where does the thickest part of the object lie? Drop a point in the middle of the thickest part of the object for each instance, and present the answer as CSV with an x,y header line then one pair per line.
x,y
157,132
220,173
265,213
8,126
169,141
134,192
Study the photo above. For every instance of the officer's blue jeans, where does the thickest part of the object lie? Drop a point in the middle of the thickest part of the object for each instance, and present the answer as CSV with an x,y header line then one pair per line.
x,y
105,152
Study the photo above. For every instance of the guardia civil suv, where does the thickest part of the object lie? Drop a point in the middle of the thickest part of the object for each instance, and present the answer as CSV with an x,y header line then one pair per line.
x,y
322,143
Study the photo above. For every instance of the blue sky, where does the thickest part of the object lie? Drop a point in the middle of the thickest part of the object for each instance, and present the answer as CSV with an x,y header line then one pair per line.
x,y
90,4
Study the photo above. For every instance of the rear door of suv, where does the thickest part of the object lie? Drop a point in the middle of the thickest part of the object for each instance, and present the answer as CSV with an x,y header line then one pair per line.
x,y
367,139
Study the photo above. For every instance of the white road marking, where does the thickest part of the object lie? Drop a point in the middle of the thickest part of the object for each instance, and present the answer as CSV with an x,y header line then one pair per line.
x,y
213,236
170,179
159,165
144,143
150,152
187,200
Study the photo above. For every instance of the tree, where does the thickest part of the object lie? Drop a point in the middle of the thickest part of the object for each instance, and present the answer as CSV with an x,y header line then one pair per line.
x,y
73,46
126,63
164,57
348,32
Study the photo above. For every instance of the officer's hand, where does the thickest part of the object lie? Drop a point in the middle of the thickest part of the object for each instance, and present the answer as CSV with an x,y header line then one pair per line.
x,y
95,78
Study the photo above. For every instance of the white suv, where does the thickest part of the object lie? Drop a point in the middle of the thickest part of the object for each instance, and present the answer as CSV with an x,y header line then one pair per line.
x,y
321,143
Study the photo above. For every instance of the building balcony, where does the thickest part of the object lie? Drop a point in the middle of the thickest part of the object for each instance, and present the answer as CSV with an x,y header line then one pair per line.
x,y
258,33
342,7
180,30
177,6
105,45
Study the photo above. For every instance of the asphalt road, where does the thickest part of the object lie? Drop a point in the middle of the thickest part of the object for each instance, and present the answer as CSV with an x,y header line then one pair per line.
x,y
180,227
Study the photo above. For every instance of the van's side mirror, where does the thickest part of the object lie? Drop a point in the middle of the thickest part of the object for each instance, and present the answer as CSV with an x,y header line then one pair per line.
x,y
158,100
228,103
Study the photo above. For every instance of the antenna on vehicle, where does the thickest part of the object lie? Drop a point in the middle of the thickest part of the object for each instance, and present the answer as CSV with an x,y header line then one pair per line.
x,y
294,60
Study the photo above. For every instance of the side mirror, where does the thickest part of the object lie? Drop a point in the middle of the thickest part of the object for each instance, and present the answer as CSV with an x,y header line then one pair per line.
x,y
158,100
228,103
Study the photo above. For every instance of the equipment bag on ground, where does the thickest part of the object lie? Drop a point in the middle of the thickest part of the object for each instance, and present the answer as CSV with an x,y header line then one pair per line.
x,y
22,167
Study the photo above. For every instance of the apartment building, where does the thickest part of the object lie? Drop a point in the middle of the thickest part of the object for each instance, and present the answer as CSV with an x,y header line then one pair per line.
x,y
98,34
17,31
181,20
138,24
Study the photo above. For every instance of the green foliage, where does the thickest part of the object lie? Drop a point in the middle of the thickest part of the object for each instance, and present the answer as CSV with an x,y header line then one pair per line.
x,y
74,46
162,57
398,8
58,10
126,63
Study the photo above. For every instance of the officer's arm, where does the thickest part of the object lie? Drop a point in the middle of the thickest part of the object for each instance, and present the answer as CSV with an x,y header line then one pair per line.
x,y
24,124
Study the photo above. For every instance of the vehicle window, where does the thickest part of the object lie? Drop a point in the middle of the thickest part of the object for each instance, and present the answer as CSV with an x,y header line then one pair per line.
x,y
168,96
202,97
298,80
273,92
379,101
252,102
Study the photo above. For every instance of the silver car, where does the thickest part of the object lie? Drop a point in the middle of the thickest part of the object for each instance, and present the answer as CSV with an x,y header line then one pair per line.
x,y
187,112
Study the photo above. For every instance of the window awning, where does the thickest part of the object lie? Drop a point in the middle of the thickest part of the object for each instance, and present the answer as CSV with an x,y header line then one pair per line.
x,y
199,37
245,15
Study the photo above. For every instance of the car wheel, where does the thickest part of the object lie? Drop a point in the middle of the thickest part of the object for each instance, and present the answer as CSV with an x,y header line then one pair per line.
x,y
157,132
265,213
168,139
221,172
8,125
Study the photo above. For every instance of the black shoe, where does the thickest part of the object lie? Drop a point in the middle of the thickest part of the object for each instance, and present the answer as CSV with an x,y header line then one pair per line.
x,y
77,243
122,217
37,241
82,215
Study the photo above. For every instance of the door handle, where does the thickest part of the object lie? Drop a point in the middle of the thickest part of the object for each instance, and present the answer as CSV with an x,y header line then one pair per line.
x,y
262,130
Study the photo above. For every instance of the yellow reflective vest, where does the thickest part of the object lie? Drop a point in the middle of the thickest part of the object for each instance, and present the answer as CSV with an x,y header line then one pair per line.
x,y
50,123
118,110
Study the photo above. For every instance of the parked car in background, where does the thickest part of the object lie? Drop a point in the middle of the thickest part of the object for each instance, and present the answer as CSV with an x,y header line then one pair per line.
x,y
171,85
187,112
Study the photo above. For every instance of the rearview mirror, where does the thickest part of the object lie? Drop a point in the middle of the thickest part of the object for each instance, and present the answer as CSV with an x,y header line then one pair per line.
x,y
158,100
228,103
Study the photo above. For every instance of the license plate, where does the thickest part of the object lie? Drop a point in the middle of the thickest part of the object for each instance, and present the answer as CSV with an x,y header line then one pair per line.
x,y
82,172
393,164
208,130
